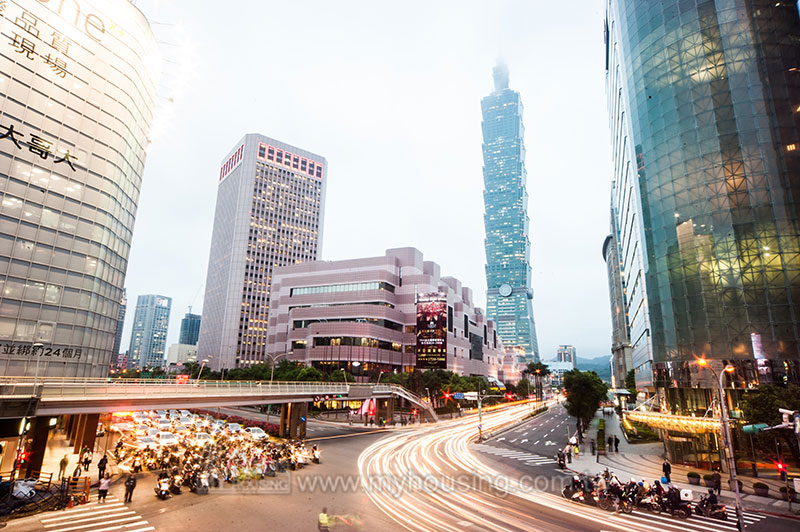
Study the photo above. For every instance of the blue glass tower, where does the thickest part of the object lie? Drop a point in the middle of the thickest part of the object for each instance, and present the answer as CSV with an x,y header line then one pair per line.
x,y
505,197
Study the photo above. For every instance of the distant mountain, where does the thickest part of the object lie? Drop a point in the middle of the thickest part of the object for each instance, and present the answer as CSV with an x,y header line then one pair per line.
x,y
599,365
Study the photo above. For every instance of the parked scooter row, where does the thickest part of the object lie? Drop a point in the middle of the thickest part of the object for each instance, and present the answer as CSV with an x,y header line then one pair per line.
x,y
607,492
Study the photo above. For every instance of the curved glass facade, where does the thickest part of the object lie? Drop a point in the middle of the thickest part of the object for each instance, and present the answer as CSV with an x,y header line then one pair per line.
x,y
713,95
77,91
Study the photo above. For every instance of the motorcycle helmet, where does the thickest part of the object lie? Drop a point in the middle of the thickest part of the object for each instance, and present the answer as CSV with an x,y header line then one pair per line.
x,y
710,491
576,478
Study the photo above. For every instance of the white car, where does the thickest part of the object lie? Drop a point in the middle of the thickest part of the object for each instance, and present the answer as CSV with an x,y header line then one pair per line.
x,y
202,439
180,428
123,426
233,428
185,420
185,413
256,433
167,439
163,425
144,442
141,430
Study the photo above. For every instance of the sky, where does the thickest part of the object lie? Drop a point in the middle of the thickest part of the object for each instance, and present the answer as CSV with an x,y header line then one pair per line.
x,y
390,94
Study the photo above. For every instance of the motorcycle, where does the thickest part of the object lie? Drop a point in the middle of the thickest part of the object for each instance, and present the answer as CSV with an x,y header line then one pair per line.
x,y
677,508
717,511
162,489
562,463
199,483
175,484
213,478
315,455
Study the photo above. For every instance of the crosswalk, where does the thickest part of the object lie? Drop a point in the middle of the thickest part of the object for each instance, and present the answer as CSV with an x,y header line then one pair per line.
x,y
664,522
522,456
112,515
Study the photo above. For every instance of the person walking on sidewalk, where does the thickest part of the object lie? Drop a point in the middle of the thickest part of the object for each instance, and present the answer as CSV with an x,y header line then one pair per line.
x,y
610,442
102,490
130,485
716,479
86,458
62,467
101,466
594,447
666,468
616,444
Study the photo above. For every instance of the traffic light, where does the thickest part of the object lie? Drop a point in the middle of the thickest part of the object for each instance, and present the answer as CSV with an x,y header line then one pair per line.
x,y
414,412
509,396
22,458
781,469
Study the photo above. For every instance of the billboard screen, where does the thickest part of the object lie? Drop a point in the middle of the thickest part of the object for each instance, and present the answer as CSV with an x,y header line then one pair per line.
x,y
432,331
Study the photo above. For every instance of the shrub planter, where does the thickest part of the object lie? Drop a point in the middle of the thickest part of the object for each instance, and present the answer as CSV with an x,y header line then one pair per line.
x,y
708,481
761,489
694,478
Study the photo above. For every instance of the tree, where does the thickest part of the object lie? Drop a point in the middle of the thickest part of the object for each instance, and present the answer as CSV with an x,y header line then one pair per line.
x,y
524,387
585,391
630,382
537,371
761,406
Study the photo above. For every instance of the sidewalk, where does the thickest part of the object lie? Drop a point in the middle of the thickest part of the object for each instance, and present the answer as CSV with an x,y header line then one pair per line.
x,y
57,447
644,460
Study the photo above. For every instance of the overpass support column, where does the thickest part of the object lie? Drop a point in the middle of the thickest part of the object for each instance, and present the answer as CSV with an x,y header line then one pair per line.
x,y
37,444
297,420
284,421
87,432
385,410
76,436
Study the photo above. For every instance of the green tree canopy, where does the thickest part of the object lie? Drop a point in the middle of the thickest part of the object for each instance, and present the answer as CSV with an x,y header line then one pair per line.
x,y
630,382
585,391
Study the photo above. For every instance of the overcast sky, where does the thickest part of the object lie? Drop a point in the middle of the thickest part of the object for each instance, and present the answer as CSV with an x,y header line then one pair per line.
x,y
389,93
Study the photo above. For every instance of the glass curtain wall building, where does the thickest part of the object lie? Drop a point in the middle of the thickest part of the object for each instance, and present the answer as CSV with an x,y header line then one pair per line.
x,y
77,95
190,329
709,100
149,333
508,246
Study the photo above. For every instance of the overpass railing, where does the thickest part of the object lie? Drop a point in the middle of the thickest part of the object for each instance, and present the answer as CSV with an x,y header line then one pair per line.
x,y
65,388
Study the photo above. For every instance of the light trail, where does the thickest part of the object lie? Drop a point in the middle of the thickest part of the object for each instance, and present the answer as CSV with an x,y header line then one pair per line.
x,y
429,480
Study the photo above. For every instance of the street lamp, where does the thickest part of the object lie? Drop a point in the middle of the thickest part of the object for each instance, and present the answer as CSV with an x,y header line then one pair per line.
x,y
205,361
726,436
273,358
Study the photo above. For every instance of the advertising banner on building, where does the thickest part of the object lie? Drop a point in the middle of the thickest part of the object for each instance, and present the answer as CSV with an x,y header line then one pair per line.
x,y
432,331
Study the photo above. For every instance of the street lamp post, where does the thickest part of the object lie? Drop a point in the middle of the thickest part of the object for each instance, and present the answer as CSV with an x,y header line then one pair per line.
x,y
203,365
726,436
273,358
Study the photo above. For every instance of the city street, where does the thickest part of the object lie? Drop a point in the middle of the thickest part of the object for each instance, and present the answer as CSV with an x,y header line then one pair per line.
x,y
428,477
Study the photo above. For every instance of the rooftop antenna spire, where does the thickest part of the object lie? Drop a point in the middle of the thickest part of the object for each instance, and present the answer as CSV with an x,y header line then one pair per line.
x,y
500,74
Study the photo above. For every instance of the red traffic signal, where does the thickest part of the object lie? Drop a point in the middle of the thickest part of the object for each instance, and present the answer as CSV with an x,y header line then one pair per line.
x,y
414,412
781,466
509,396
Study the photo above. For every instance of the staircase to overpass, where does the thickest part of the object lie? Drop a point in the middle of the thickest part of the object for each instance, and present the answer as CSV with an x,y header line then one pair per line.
x,y
48,396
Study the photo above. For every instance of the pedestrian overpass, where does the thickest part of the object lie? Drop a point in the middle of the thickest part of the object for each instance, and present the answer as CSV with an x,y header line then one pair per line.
x,y
49,396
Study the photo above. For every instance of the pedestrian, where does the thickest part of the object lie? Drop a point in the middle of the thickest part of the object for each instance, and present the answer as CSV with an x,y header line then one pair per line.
x,y
666,468
716,479
130,485
78,471
610,442
569,453
323,521
593,445
101,466
86,458
62,467
616,444
102,490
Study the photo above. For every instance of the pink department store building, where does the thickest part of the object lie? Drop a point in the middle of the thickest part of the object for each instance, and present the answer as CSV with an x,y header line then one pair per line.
x,y
392,313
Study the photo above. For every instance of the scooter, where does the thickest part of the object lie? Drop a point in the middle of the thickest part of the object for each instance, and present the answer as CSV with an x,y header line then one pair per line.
x,y
562,463
717,511
162,489
199,483
175,485
315,455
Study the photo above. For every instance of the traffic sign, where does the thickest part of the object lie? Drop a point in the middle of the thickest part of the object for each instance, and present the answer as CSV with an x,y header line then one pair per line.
x,y
302,419
458,395
471,396
754,429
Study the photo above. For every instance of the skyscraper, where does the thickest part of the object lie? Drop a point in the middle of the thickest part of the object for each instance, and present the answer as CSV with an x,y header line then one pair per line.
x,y
270,207
505,196
705,127
123,306
190,329
149,333
78,86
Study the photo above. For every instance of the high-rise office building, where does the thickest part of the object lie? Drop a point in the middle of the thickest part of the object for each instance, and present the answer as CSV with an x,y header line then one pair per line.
x,y
123,306
270,209
567,355
190,329
77,92
149,333
706,143
505,196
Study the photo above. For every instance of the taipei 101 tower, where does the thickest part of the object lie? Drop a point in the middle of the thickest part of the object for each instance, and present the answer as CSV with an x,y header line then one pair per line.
x,y
505,196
